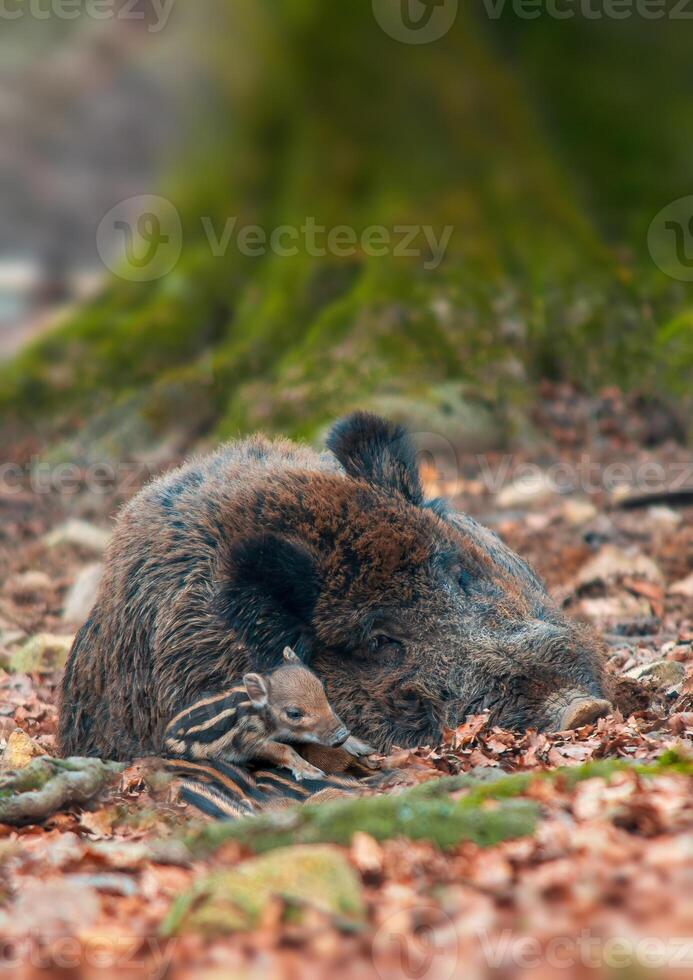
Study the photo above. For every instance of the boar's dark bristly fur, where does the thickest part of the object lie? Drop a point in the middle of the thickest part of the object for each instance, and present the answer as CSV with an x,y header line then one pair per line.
x,y
412,615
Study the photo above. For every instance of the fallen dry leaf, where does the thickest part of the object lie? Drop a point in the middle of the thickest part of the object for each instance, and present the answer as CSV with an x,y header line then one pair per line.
x,y
20,750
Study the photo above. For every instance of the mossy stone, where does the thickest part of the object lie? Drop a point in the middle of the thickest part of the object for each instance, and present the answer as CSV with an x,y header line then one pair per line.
x,y
41,654
314,876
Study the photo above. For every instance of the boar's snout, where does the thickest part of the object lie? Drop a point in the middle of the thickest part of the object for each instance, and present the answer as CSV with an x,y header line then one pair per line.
x,y
584,711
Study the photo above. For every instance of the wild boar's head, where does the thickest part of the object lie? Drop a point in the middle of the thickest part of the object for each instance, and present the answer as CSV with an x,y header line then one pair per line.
x,y
414,616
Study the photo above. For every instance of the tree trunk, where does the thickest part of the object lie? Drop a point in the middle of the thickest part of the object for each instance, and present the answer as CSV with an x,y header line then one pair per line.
x,y
324,117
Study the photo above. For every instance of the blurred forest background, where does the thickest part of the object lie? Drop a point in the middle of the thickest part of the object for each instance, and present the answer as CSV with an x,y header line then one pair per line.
x,y
549,146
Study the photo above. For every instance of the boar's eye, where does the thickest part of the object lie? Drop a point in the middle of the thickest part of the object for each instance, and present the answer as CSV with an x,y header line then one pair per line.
x,y
294,714
379,641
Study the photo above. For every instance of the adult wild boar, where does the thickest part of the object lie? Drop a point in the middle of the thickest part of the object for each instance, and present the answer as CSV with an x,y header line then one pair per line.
x,y
414,616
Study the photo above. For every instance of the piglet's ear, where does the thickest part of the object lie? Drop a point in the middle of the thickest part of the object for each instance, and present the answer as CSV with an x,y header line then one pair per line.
x,y
257,689
290,657
374,449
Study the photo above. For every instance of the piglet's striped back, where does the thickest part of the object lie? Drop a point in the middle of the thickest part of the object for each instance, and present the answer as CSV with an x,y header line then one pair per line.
x,y
226,791
207,727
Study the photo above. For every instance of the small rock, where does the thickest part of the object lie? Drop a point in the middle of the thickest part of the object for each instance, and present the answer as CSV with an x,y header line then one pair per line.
x,y
79,533
683,587
578,512
534,489
28,584
611,563
20,750
664,673
82,594
537,522
42,654
664,516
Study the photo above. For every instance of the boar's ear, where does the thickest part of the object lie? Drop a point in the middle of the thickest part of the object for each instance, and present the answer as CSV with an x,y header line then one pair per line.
x,y
381,452
268,595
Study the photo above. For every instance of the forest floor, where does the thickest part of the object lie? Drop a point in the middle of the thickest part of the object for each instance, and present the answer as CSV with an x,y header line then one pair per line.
x,y
596,877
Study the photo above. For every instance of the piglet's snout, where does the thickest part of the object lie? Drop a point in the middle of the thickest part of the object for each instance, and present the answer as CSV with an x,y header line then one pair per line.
x,y
340,736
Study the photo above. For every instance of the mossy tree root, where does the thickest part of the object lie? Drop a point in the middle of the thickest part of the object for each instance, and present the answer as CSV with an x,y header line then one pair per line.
x,y
47,785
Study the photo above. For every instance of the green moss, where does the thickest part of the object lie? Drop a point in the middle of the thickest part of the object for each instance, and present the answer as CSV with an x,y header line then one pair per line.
x,y
315,876
333,119
670,761
674,351
41,654
488,811
436,817
27,780
40,771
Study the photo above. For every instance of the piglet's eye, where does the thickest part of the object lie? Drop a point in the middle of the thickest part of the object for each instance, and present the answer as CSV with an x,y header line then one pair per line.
x,y
294,714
